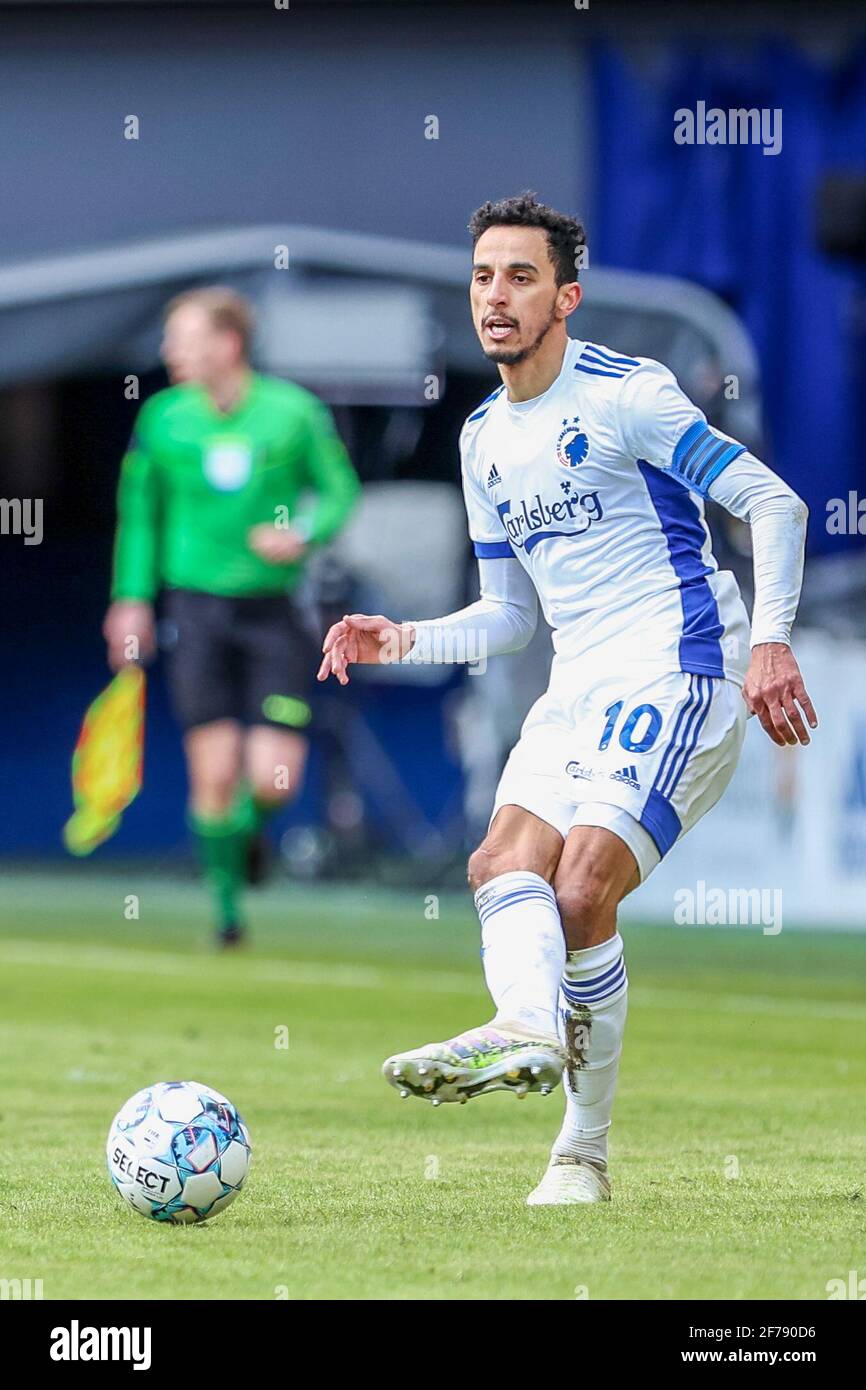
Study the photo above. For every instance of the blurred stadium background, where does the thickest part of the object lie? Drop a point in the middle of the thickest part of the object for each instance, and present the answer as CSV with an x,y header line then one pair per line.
x,y
309,129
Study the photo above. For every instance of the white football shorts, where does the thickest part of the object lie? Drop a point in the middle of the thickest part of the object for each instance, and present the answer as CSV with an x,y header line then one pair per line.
x,y
645,757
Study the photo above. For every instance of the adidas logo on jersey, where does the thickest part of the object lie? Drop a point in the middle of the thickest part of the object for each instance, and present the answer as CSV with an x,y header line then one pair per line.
x,y
493,478
627,775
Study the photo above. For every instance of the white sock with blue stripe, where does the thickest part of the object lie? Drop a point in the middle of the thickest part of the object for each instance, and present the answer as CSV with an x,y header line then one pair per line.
x,y
522,949
593,1002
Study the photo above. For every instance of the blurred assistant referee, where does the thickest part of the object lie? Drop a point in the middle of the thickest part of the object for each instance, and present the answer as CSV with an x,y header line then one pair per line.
x,y
211,508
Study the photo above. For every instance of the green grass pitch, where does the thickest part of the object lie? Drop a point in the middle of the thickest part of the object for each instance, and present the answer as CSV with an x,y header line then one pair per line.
x,y
738,1150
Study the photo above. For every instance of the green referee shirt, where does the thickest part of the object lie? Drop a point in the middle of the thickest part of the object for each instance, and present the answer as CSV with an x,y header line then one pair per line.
x,y
194,481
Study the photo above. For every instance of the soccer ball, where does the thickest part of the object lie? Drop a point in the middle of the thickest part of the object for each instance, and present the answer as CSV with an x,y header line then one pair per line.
x,y
178,1152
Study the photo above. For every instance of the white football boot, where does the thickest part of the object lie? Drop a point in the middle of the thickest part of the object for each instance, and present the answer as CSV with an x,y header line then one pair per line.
x,y
570,1182
495,1057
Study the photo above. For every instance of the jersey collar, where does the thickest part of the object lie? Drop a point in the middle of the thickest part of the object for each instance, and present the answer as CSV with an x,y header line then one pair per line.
x,y
520,410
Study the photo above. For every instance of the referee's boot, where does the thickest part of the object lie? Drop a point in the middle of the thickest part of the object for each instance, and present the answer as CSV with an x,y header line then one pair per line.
x,y
231,936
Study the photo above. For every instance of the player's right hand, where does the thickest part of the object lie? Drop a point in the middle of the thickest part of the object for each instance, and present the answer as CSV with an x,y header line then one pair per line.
x,y
130,631
358,637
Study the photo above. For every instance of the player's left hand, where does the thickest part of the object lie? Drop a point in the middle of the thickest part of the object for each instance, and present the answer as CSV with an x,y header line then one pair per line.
x,y
773,689
275,545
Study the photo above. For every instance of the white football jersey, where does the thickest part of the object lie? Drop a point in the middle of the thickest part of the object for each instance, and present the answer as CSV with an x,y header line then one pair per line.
x,y
597,488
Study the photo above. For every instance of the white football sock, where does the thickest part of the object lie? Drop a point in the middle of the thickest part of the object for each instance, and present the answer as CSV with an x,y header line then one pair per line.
x,y
593,1001
522,949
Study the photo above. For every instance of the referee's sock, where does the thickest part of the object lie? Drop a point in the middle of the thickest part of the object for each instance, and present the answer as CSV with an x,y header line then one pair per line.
x,y
222,844
257,811
258,852
260,811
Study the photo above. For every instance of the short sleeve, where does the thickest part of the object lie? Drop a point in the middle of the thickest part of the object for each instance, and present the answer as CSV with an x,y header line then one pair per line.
x,y
486,530
660,425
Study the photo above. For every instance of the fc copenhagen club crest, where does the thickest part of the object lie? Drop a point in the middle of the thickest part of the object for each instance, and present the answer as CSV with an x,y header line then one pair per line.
x,y
228,463
572,446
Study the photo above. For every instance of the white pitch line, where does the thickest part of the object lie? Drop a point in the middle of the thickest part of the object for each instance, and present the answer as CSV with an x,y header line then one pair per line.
x,y
748,1004
320,974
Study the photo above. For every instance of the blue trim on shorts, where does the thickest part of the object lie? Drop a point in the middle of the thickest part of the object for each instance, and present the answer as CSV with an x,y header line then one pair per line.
x,y
674,744
660,819
705,698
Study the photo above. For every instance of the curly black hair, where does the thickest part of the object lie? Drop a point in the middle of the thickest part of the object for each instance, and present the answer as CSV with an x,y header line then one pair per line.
x,y
566,236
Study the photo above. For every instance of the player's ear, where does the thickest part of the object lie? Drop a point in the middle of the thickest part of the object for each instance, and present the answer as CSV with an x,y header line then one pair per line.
x,y
568,298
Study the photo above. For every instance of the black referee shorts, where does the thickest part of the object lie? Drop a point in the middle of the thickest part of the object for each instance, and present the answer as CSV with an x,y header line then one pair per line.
x,y
247,659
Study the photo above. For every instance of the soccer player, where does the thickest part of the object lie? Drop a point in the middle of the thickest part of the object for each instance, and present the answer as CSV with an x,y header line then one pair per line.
x,y
211,508
585,475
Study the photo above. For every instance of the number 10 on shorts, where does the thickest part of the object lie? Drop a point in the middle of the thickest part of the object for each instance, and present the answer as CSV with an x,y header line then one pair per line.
x,y
639,730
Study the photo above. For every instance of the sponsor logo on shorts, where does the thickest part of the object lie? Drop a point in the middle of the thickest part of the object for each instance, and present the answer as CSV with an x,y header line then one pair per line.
x,y
627,775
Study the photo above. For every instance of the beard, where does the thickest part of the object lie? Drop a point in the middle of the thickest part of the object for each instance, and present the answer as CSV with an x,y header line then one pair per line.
x,y
505,357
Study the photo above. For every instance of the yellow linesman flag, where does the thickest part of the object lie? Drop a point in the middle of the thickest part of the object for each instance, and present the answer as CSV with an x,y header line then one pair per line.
x,y
107,762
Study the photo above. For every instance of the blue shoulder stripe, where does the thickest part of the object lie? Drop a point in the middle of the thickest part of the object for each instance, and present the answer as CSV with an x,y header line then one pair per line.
x,y
597,371
493,394
485,405
610,358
